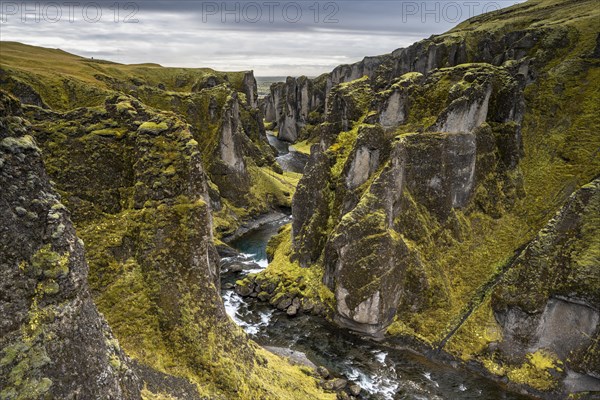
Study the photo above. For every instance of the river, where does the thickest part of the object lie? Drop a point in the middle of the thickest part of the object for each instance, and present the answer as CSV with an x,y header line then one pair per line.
x,y
382,372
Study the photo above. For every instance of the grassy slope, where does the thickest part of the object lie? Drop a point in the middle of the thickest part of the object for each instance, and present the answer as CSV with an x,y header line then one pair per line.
x,y
50,71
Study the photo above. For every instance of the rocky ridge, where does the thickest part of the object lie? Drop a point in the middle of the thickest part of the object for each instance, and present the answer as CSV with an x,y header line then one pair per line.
x,y
55,343
151,164
432,169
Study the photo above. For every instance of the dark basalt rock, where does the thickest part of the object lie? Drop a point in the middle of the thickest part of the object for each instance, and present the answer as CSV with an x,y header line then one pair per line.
x,y
438,169
54,342
550,298
311,208
290,104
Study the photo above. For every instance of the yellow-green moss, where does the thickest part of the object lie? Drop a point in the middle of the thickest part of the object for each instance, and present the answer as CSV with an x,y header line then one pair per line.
x,y
341,148
49,263
109,132
27,354
268,187
476,333
399,328
148,395
25,142
535,371
153,127
289,277
287,382
302,147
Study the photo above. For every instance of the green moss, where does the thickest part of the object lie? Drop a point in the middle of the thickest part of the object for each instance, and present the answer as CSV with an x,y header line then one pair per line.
x,y
125,106
49,287
17,144
153,127
535,372
288,382
148,395
24,358
115,362
270,188
108,132
49,263
302,147
269,126
400,329
289,278
354,97
342,148
476,334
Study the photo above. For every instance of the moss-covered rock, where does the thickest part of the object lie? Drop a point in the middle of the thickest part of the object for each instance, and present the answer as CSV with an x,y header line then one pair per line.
x,y
151,255
141,202
547,301
54,342
294,105
221,109
438,166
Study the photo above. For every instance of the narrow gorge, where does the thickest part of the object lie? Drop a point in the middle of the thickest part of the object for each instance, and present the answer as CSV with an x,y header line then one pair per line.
x,y
420,224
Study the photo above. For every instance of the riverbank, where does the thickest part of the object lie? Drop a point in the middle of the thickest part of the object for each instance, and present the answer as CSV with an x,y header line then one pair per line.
x,y
383,370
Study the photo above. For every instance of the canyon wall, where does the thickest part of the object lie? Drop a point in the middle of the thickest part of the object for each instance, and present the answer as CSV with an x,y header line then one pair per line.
x,y
55,343
154,166
433,170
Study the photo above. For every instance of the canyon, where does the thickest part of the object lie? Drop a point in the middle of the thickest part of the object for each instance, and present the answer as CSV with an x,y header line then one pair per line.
x,y
443,198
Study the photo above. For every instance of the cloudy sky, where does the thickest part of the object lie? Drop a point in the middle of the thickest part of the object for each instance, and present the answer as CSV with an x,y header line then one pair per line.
x,y
274,38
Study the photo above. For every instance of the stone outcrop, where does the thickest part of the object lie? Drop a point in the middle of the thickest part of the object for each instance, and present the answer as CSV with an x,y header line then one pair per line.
x,y
291,103
312,208
54,342
439,51
250,89
548,301
438,171
229,169
153,248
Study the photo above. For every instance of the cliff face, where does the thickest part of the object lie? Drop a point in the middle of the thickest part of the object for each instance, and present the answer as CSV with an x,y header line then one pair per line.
x,y
547,304
221,109
142,169
380,182
471,42
294,104
54,342
432,172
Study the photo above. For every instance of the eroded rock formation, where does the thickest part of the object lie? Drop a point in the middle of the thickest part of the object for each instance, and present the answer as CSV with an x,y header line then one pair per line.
x,y
152,164
55,343
431,169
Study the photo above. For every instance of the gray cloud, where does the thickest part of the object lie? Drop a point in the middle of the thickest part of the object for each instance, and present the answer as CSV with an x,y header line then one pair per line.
x,y
203,34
